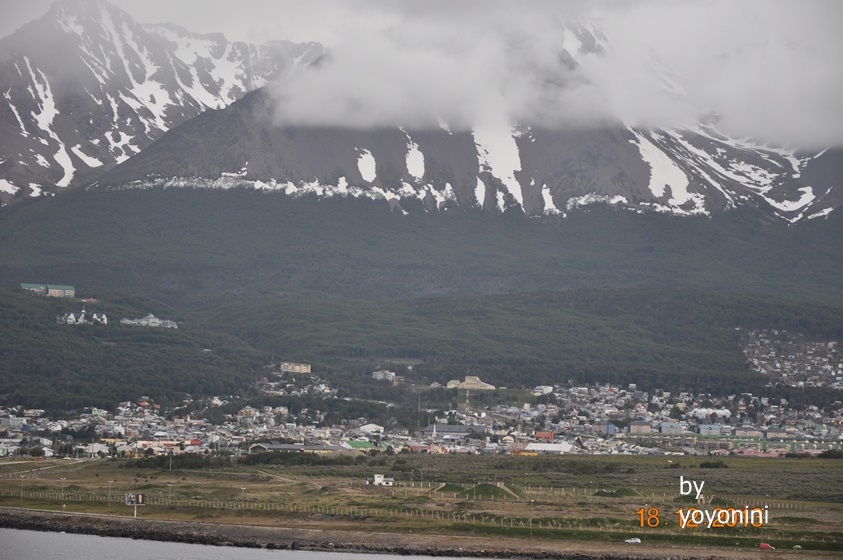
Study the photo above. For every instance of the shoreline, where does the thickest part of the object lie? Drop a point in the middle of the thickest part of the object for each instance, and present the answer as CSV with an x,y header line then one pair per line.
x,y
331,540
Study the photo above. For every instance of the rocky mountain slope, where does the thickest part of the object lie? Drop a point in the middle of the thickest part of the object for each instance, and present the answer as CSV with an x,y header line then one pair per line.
x,y
695,171
85,87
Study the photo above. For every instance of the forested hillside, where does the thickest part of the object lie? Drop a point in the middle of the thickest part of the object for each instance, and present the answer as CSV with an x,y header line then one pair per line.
x,y
58,366
599,296
183,244
674,340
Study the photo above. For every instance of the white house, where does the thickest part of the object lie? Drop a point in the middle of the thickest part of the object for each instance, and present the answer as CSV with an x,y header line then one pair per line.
x,y
380,480
549,448
371,429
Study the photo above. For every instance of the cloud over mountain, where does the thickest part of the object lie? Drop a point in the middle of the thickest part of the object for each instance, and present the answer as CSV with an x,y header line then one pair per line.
x,y
766,69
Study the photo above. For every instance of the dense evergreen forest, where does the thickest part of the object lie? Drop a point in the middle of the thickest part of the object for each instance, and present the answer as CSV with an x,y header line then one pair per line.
x,y
673,340
173,245
599,296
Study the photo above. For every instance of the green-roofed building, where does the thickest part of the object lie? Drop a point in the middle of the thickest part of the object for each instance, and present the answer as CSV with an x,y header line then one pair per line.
x,y
60,290
53,290
360,445
40,289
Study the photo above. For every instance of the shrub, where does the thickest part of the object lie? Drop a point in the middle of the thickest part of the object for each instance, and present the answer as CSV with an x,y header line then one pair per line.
x,y
831,454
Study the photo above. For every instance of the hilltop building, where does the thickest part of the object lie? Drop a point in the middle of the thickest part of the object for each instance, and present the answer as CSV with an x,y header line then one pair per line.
x,y
83,318
471,383
383,375
293,367
51,290
150,321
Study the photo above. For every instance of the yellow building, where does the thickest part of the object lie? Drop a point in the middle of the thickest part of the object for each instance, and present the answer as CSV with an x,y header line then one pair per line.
x,y
292,367
471,383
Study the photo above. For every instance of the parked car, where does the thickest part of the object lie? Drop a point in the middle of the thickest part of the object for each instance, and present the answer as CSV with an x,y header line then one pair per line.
x,y
633,540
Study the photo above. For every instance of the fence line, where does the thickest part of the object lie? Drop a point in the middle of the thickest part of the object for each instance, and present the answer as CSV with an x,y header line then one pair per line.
x,y
357,512
346,511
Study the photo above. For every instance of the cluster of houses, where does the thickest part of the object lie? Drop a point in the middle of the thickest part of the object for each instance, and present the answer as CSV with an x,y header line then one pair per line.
x,y
150,321
296,386
745,423
560,419
596,419
82,318
792,359
87,318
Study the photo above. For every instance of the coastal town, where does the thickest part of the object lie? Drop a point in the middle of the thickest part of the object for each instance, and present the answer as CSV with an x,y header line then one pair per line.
x,y
546,419
586,419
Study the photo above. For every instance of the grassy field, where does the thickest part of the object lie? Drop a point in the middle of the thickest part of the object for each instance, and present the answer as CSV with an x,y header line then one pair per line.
x,y
580,498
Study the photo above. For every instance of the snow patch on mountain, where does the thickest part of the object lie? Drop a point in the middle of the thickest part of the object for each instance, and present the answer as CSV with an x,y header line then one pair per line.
x,y
663,171
480,192
89,161
7,187
415,160
145,92
14,109
367,166
594,198
231,180
70,24
441,197
549,206
821,214
501,200
120,145
190,50
751,146
752,177
43,96
571,43
793,205
227,75
498,154
443,125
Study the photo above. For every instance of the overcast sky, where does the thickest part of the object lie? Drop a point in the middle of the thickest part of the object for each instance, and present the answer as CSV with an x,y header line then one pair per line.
x,y
770,68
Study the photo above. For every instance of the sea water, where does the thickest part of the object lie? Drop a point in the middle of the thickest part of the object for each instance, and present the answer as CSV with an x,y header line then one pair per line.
x,y
17,544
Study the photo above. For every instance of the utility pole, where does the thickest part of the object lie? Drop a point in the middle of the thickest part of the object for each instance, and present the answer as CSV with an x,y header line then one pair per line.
x,y
110,482
169,495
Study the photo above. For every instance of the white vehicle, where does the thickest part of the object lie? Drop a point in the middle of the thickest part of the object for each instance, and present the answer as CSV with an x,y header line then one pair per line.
x,y
633,540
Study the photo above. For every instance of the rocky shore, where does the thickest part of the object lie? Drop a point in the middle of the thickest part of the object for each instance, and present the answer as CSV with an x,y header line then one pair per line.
x,y
345,541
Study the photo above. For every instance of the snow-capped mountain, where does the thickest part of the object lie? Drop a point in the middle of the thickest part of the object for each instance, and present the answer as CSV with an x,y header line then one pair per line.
x,y
694,171
85,87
